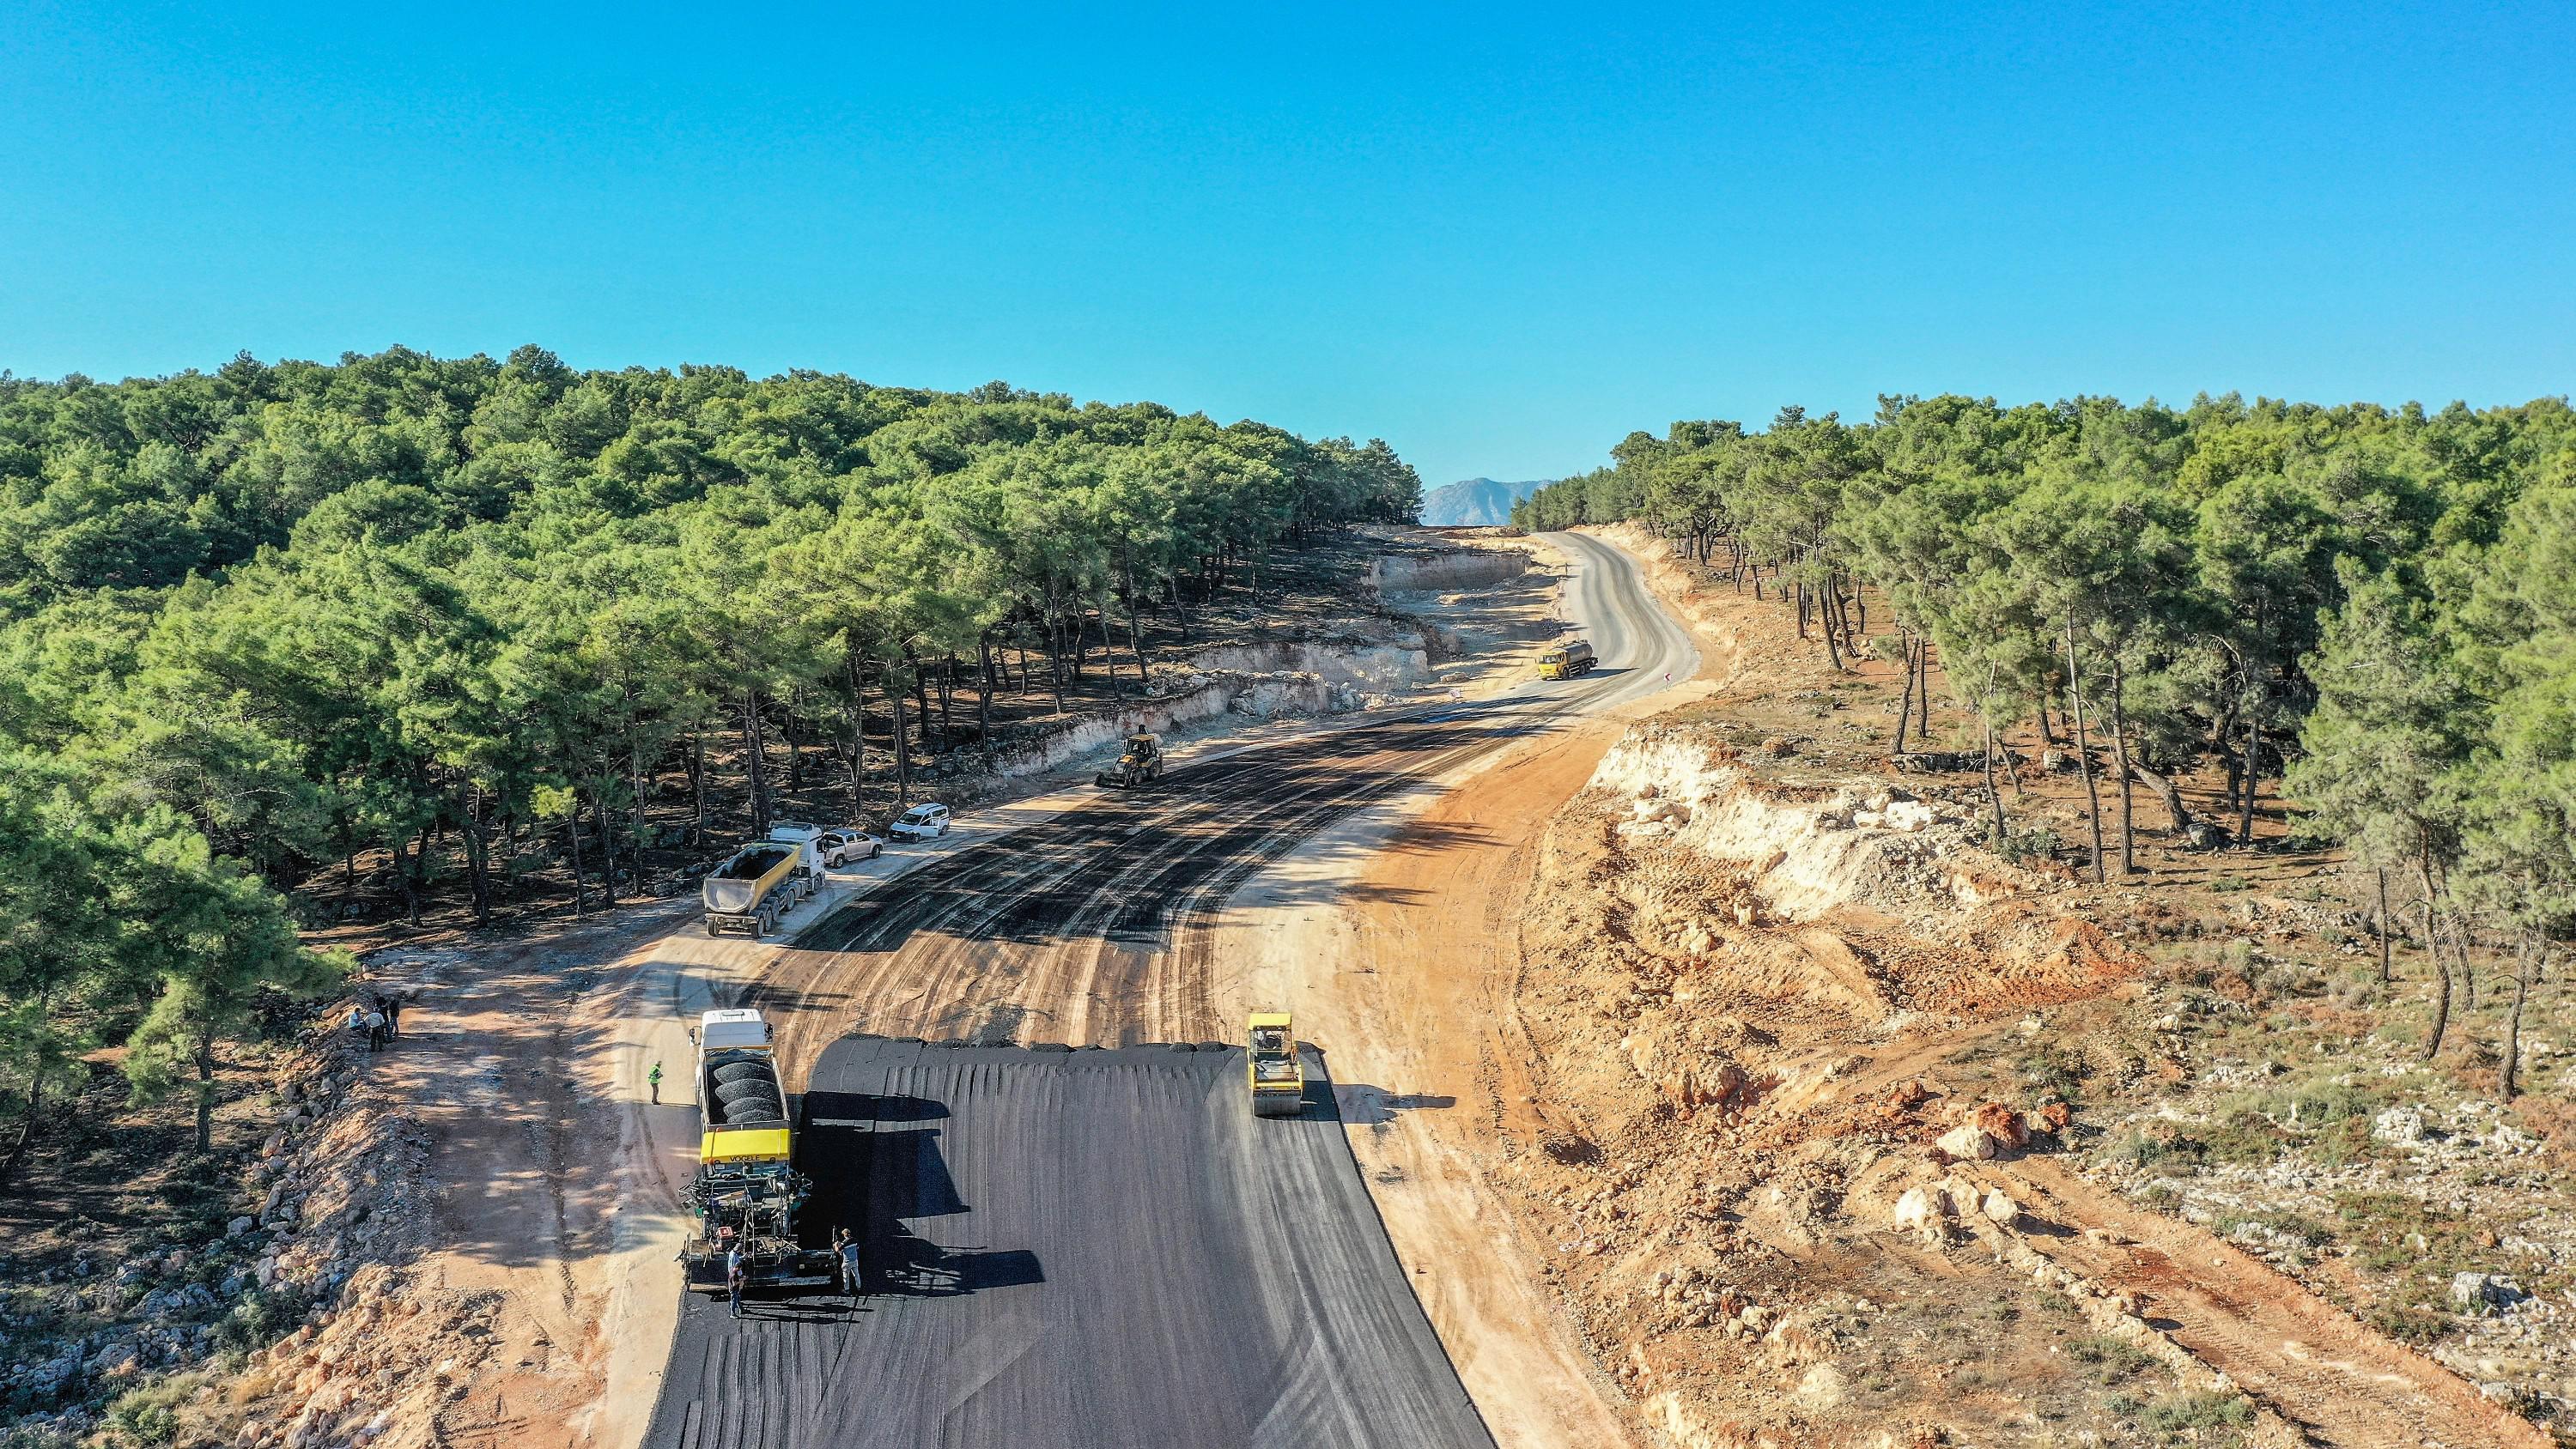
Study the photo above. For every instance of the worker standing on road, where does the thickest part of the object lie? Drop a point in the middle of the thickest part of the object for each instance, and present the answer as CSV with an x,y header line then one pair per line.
x,y
846,1250
733,1280
653,1082
375,1031
393,1014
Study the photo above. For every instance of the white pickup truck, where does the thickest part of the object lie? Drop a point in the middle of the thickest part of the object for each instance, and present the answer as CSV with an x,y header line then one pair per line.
x,y
832,845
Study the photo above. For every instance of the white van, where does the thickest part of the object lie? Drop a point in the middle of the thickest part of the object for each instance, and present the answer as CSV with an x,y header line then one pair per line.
x,y
921,822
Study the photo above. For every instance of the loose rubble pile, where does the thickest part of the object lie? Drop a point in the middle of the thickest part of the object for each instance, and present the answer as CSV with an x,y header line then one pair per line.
x,y
161,1338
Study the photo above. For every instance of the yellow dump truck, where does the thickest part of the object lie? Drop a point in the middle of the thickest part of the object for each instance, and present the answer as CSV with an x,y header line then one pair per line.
x,y
749,892
1566,660
747,1188
1276,1072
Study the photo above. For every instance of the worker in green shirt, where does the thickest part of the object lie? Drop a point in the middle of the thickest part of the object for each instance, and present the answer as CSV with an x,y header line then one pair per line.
x,y
653,1080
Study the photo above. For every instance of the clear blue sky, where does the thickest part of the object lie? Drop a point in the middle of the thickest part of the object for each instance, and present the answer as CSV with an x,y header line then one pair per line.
x,y
1499,236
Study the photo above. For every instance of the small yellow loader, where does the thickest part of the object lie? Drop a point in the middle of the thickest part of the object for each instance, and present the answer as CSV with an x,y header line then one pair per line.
x,y
1141,764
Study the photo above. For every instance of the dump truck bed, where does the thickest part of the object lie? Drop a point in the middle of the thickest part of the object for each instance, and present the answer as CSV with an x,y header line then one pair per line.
x,y
738,885
739,1089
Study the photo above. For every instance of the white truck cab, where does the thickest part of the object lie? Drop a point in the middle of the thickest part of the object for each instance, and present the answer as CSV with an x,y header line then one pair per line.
x,y
721,1030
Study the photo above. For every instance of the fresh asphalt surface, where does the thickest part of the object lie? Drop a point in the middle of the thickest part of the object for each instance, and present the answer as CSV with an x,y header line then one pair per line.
x,y
1091,1248
1103,1247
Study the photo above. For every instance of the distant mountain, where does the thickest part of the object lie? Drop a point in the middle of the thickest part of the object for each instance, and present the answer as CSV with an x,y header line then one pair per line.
x,y
1476,502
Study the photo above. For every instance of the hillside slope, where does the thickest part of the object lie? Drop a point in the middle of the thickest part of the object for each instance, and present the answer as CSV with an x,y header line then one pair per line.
x,y
1475,502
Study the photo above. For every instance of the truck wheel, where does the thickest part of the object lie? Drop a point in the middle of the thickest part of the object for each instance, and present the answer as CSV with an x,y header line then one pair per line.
x,y
711,929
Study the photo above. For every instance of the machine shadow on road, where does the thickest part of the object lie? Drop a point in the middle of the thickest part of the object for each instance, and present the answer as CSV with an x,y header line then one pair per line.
x,y
876,1171
1362,1105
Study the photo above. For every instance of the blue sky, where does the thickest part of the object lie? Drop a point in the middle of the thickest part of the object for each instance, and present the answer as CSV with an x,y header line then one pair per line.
x,y
1498,236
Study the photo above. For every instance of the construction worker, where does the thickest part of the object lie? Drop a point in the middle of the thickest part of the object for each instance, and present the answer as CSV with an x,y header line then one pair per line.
x,y
653,1082
733,1279
845,1252
375,1031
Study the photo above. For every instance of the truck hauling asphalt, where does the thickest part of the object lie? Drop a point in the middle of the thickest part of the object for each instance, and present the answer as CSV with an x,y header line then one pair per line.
x,y
746,1192
1567,660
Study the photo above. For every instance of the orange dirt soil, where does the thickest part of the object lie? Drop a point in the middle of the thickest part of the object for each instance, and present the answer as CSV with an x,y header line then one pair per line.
x,y
1759,1106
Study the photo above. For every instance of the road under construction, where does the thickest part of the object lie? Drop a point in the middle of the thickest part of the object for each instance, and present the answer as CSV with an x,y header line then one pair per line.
x,y
1076,1232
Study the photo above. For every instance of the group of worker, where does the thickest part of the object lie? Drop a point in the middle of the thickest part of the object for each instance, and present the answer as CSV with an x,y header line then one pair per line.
x,y
845,1271
379,1023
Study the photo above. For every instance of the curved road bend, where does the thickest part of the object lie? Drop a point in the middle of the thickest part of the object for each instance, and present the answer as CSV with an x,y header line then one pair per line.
x,y
1103,1247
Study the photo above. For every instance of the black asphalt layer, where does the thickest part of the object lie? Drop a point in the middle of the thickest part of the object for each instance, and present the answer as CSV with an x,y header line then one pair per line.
x,y
1073,1249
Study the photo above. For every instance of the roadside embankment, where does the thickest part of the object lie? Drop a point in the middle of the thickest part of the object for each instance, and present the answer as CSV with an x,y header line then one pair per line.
x,y
280,1321
1464,568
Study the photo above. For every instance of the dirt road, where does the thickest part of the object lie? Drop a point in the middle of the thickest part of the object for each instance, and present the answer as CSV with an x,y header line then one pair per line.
x,y
1397,941
2309,1361
1396,936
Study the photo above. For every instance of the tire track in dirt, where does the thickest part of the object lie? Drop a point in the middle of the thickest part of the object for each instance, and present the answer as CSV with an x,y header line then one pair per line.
x,y
2311,1362
1089,925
